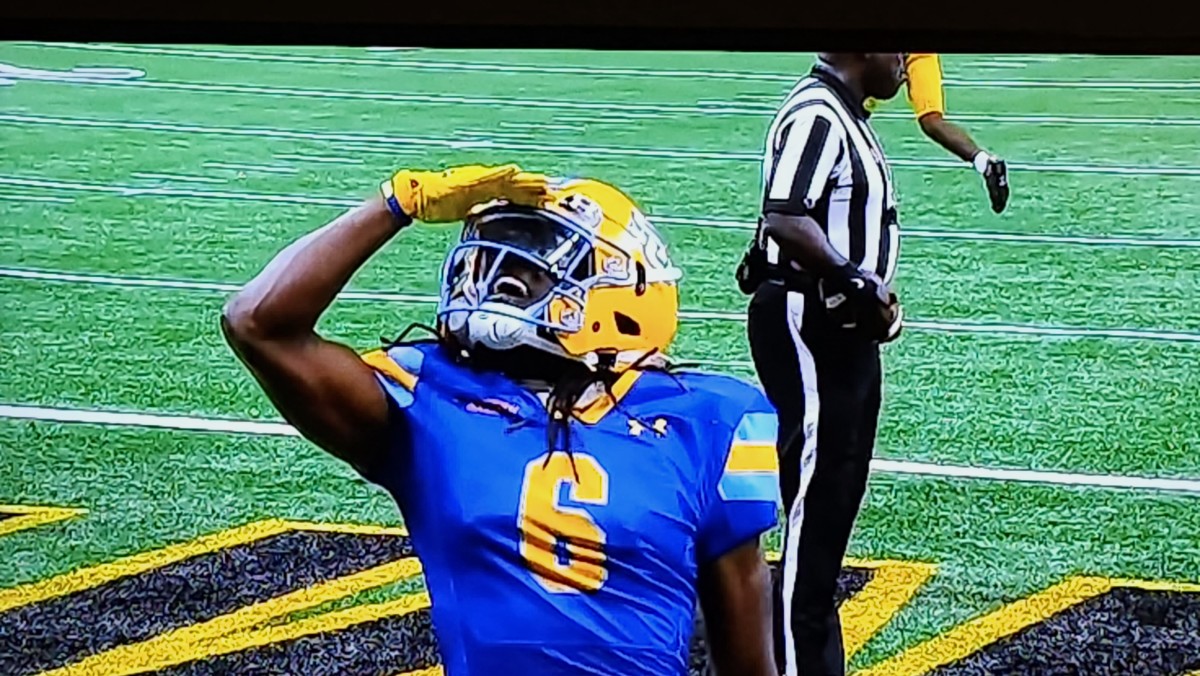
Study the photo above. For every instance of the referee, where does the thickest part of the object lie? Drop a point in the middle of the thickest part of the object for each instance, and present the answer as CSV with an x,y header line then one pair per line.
x,y
818,271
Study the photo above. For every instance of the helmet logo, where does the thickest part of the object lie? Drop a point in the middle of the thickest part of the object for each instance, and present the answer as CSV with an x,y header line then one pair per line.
x,y
585,209
647,237
615,266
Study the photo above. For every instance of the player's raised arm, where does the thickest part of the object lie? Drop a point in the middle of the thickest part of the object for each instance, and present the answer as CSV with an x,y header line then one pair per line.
x,y
321,387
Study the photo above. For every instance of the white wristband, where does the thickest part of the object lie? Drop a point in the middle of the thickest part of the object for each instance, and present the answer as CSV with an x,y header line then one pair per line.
x,y
981,160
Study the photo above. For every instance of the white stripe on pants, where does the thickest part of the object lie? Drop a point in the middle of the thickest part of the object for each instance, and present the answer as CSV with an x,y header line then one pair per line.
x,y
808,458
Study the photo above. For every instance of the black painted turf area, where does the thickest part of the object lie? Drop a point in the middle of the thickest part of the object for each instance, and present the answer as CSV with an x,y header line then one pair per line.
x,y
58,631
390,645
64,630
850,582
1124,632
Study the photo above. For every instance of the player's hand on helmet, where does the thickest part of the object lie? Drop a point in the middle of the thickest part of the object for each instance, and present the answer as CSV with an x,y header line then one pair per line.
x,y
447,196
861,302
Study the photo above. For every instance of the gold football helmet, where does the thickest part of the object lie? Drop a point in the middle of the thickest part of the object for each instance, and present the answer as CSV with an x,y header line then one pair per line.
x,y
583,275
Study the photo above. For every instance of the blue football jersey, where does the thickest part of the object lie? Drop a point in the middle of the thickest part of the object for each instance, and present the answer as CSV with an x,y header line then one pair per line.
x,y
585,563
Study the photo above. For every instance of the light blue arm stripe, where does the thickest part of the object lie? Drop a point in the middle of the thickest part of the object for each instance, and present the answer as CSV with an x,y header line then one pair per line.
x,y
409,358
396,391
749,486
757,428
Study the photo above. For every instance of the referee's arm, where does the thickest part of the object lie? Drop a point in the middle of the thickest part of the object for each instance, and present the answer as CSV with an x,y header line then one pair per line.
x,y
810,152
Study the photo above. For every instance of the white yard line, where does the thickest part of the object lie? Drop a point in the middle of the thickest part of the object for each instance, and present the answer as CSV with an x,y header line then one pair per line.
x,y
683,221
264,168
1053,239
1191,486
459,66
700,315
159,191
171,422
882,466
187,285
614,110
37,198
387,144
155,176
541,126
921,233
320,159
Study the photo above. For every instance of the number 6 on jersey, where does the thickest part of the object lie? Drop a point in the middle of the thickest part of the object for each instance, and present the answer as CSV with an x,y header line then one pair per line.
x,y
563,546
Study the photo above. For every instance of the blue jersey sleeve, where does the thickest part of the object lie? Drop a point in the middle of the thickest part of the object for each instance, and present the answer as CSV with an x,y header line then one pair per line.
x,y
745,494
398,370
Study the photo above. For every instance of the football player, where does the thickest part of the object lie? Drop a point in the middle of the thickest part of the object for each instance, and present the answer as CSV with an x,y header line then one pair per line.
x,y
569,493
927,99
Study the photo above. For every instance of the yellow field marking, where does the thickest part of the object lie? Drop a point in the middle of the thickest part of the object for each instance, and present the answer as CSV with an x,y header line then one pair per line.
x,y
87,578
256,638
32,517
94,576
195,642
890,589
327,623
970,637
350,528
1152,585
431,671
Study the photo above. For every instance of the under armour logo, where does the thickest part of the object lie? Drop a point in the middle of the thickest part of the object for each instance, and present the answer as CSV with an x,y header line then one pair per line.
x,y
659,427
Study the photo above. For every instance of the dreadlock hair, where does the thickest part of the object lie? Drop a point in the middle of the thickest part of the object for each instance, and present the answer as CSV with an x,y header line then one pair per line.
x,y
577,379
575,383
389,343
574,380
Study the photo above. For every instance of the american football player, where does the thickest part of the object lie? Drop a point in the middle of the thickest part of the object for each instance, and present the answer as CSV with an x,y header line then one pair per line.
x,y
927,98
569,493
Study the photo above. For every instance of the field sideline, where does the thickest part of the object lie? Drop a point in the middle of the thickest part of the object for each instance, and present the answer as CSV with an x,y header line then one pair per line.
x,y
1036,486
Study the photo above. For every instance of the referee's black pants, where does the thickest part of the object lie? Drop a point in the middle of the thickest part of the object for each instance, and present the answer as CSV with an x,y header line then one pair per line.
x,y
825,384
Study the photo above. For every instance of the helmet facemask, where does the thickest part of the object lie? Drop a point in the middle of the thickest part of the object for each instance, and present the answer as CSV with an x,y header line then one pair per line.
x,y
511,266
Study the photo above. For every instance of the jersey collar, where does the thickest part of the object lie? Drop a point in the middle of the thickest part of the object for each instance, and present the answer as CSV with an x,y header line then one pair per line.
x,y
594,403
852,102
599,405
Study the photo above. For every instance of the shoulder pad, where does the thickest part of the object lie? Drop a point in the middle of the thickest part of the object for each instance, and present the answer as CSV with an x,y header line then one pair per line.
x,y
400,364
732,394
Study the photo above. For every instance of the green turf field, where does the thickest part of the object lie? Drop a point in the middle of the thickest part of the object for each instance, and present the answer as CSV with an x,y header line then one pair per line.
x,y
1041,427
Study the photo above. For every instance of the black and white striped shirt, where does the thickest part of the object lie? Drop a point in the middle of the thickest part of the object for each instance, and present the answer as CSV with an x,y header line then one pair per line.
x,y
824,161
